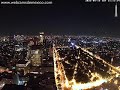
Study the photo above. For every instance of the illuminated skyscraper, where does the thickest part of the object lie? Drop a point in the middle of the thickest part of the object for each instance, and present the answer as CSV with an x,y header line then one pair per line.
x,y
36,58
41,37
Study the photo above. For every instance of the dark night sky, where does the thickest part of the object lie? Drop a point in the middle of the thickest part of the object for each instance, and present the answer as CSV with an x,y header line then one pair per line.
x,y
62,17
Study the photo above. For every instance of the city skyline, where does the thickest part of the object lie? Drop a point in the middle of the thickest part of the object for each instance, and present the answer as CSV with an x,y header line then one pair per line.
x,y
59,62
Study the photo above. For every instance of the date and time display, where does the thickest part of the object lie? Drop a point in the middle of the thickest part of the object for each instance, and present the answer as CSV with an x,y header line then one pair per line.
x,y
114,1
102,0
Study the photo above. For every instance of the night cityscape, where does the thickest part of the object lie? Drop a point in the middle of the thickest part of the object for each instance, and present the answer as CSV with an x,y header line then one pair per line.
x,y
60,45
59,62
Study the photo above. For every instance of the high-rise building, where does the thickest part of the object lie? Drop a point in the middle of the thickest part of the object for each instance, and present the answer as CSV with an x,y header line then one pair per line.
x,y
36,58
41,37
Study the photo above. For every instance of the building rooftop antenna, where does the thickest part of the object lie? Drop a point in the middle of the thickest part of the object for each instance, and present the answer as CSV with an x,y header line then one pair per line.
x,y
116,10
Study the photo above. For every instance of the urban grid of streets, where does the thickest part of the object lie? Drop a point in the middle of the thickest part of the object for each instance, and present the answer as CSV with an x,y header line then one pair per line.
x,y
67,62
80,69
